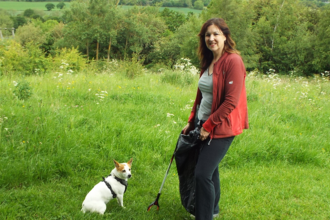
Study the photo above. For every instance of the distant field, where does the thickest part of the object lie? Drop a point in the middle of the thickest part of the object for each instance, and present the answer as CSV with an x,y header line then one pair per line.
x,y
21,6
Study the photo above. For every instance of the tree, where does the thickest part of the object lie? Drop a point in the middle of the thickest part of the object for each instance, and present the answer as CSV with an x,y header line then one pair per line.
x,y
173,19
198,5
29,33
240,26
323,41
5,21
28,12
50,6
18,21
60,5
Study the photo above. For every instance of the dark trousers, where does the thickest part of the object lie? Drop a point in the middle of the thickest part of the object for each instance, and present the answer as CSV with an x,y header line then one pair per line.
x,y
207,177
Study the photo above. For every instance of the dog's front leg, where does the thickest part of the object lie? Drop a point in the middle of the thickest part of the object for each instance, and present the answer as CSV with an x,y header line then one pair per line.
x,y
120,200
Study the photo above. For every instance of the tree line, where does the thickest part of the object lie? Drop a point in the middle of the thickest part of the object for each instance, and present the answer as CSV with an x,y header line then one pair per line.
x,y
289,36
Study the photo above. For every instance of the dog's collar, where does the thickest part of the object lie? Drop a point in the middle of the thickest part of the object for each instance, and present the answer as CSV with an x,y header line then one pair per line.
x,y
123,182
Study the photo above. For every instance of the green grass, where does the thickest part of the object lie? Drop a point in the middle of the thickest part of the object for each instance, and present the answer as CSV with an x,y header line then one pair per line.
x,y
56,145
21,6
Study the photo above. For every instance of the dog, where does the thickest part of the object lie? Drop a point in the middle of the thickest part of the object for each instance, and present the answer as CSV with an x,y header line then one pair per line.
x,y
113,186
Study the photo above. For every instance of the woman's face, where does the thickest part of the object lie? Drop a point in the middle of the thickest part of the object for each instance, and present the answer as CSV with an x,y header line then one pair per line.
x,y
214,39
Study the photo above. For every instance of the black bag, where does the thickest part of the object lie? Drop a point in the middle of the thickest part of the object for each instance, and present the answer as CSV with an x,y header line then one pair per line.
x,y
186,156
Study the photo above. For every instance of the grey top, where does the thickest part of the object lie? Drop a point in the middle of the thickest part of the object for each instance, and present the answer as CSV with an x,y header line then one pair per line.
x,y
205,84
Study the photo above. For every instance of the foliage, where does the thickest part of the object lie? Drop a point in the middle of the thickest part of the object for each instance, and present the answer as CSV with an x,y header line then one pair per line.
x,y
198,5
29,33
60,5
68,60
50,6
22,90
133,67
5,22
18,21
28,12
173,19
284,35
26,60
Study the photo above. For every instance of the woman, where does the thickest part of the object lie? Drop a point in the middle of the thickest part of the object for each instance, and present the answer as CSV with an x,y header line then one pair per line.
x,y
222,110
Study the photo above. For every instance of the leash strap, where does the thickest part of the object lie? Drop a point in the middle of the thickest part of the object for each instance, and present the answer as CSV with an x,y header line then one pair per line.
x,y
109,186
123,182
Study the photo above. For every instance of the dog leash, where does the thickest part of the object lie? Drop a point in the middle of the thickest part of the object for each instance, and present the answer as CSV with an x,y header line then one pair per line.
x,y
123,182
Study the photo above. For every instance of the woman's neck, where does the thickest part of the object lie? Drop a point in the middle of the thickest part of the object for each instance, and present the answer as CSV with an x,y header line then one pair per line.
x,y
216,56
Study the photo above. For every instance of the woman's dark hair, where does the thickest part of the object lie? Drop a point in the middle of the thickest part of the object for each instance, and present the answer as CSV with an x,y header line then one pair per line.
x,y
204,54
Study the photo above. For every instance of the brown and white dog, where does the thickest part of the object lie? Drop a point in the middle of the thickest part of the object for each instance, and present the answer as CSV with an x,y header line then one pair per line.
x,y
113,186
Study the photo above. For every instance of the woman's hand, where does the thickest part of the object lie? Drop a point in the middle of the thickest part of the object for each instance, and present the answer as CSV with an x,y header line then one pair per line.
x,y
187,128
204,134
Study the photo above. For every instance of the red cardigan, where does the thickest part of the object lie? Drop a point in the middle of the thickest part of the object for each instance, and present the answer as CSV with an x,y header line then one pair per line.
x,y
229,106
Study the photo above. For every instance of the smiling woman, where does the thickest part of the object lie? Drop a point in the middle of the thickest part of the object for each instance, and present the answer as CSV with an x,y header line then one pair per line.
x,y
220,111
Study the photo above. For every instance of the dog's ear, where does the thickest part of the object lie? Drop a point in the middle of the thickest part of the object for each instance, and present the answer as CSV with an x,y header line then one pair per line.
x,y
130,162
116,163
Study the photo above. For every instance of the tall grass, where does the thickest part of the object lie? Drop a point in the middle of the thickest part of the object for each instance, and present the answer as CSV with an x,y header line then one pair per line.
x,y
57,144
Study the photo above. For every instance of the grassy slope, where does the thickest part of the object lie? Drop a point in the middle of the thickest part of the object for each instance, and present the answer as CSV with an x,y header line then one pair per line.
x,y
21,6
59,143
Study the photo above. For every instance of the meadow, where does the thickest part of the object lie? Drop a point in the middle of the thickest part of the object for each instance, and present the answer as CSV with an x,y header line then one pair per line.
x,y
21,6
59,139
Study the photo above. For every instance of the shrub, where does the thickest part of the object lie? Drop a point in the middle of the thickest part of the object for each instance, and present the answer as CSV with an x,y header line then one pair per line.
x,y
22,90
69,60
29,33
133,67
22,60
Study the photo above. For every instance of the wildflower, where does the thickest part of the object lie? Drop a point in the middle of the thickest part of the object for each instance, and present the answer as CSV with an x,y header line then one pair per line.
x,y
15,83
174,122
169,115
6,129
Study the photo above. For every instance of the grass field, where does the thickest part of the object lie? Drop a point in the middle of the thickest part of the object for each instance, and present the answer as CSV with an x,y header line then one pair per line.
x,y
21,6
56,145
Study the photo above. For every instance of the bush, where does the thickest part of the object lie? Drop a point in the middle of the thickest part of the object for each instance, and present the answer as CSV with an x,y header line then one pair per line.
x,y
22,90
29,33
27,60
68,60
133,67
